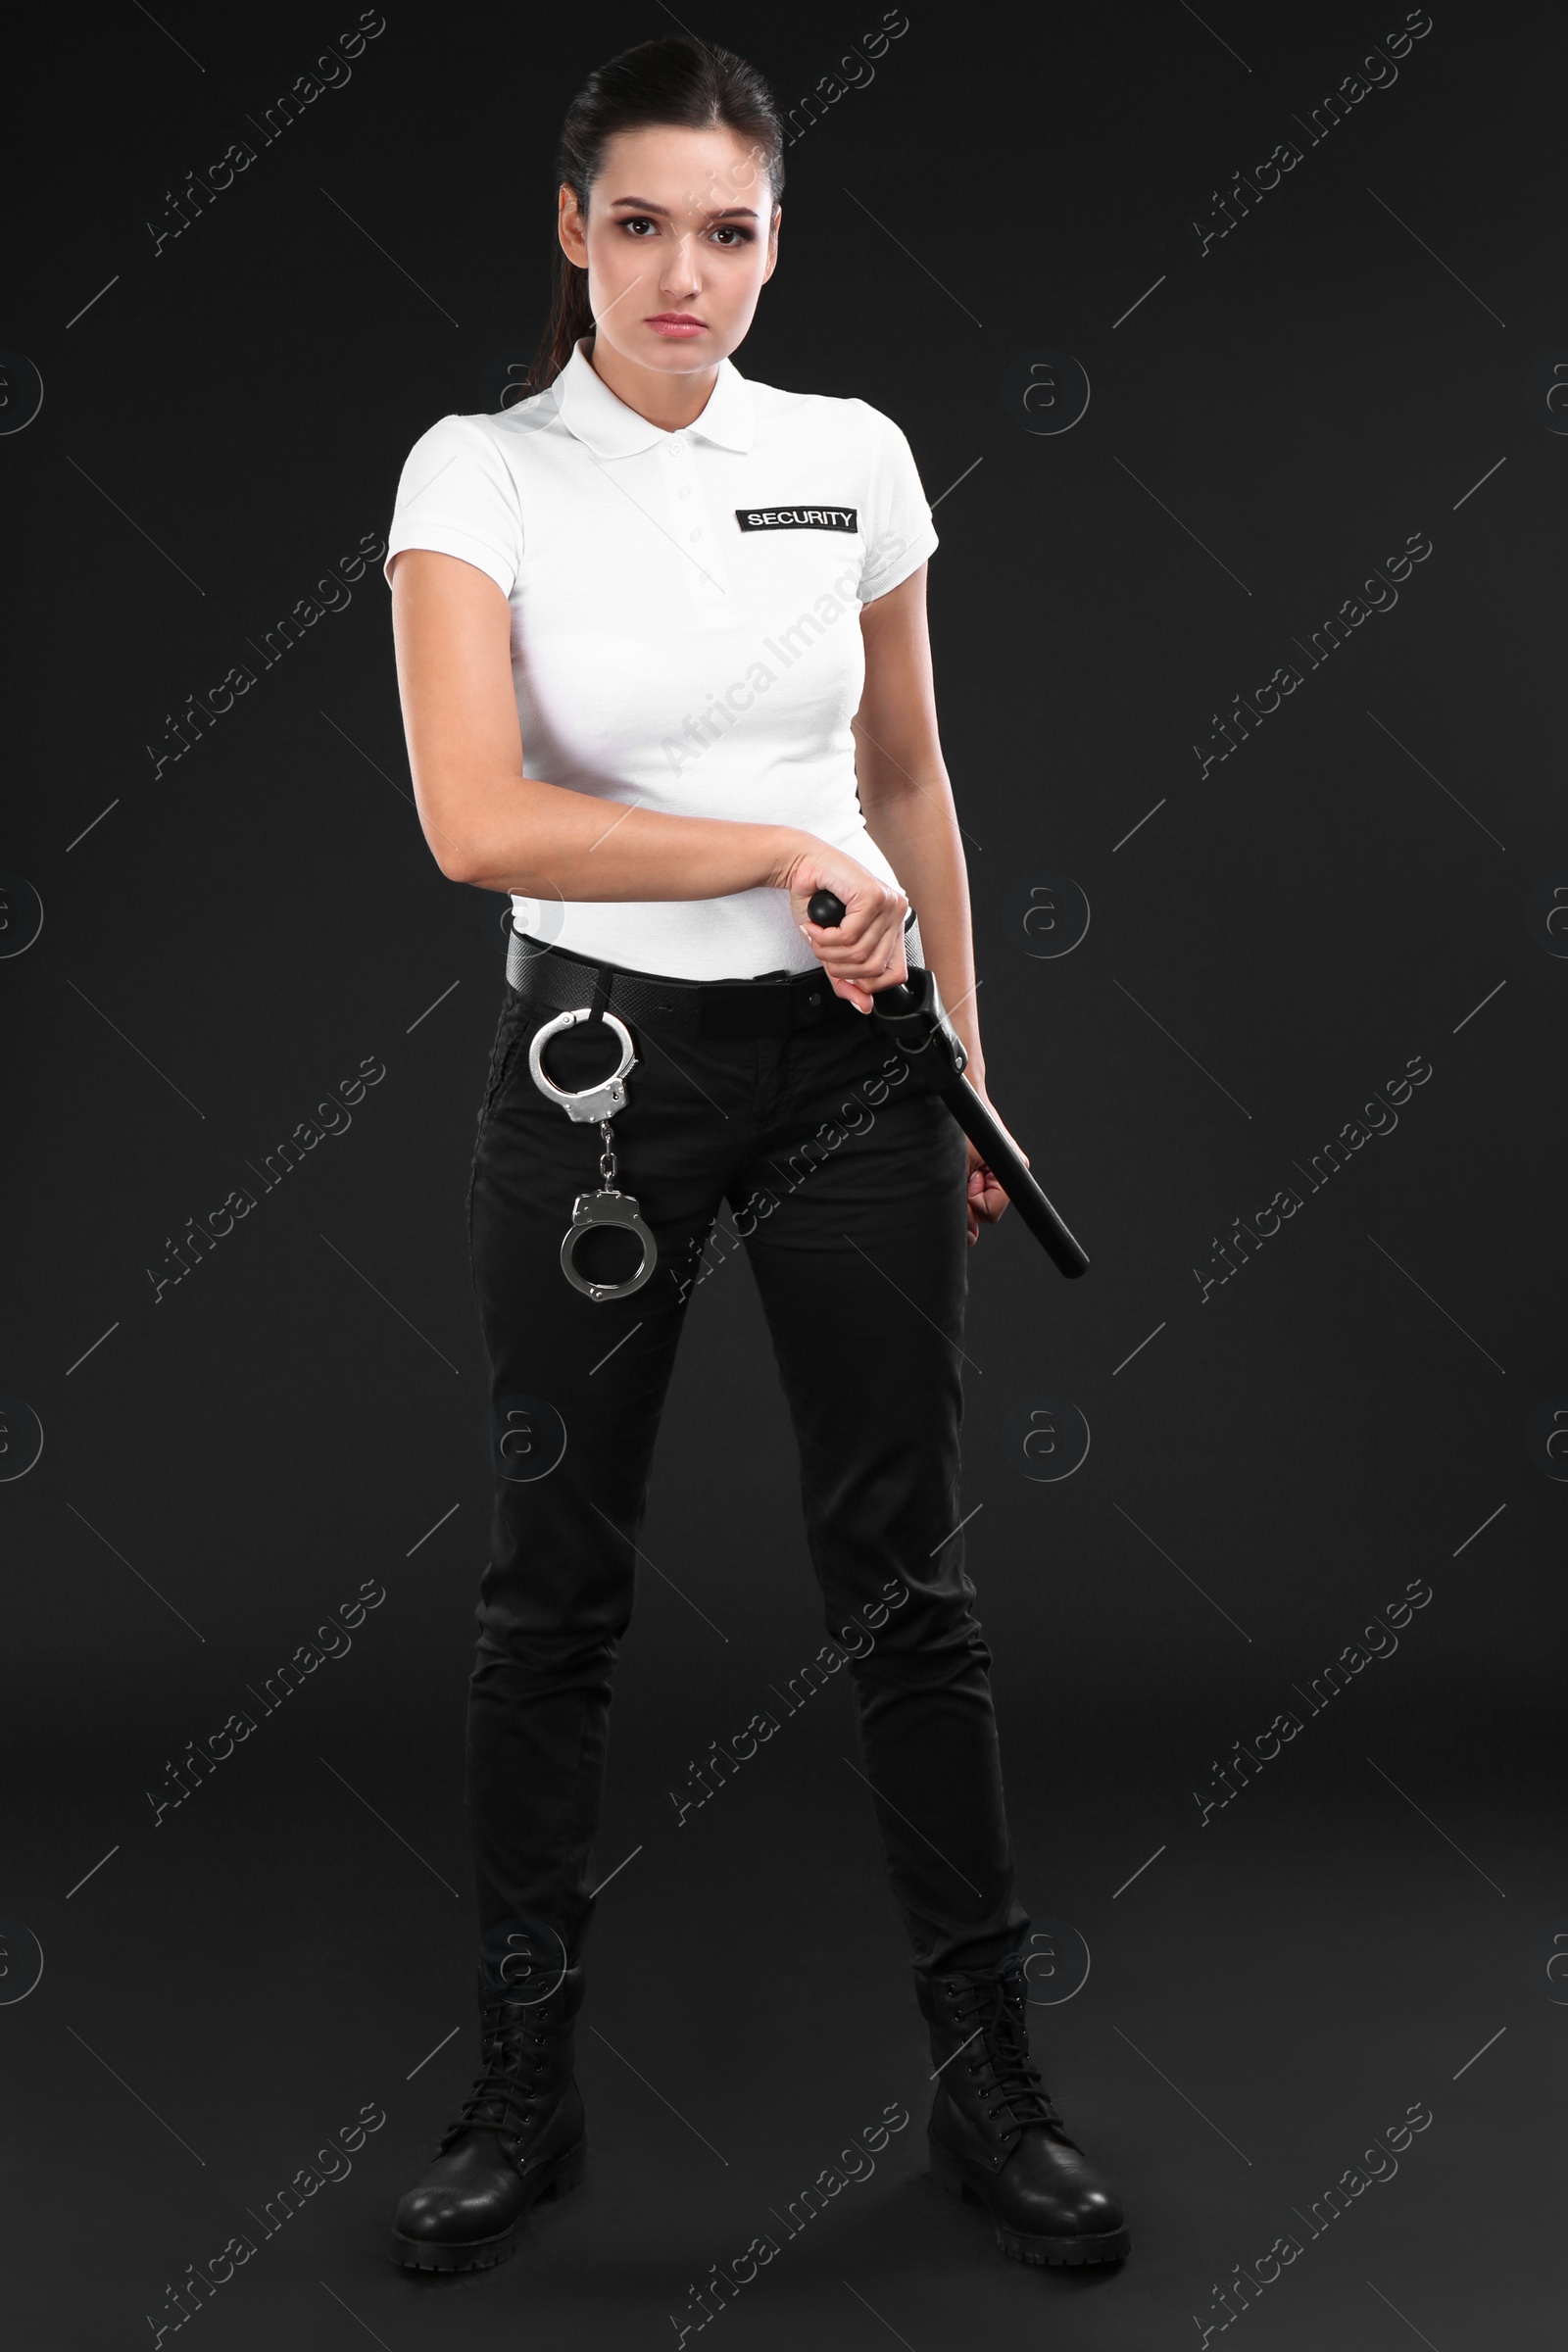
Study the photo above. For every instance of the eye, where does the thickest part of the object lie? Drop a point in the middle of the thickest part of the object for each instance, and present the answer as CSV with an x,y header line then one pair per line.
x,y
727,228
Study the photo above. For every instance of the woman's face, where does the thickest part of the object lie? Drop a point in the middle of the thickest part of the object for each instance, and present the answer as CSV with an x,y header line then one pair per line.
x,y
680,237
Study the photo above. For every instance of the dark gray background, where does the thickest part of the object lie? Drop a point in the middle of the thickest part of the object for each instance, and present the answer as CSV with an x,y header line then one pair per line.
x,y
1349,890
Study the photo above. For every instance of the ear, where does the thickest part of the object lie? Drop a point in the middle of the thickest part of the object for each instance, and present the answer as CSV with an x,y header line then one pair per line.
x,y
569,227
773,243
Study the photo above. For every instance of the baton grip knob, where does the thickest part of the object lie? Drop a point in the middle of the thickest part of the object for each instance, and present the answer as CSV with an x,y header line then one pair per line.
x,y
827,910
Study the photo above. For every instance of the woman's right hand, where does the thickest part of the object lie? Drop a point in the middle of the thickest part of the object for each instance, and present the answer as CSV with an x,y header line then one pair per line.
x,y
865,952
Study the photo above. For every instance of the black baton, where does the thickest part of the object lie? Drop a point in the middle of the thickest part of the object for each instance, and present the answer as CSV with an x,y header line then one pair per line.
x,y
913,1016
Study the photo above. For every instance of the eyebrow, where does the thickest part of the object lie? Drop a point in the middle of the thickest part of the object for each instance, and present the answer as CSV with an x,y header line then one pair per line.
x,y
733,212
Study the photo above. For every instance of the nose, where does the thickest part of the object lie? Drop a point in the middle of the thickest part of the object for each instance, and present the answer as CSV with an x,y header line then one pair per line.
x,y
679,277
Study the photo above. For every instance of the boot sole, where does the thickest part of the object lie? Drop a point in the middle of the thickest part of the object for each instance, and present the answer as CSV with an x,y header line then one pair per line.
x,y
1022,2245
483,2253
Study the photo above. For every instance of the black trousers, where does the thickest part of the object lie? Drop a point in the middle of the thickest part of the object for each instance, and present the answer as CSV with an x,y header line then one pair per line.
x,y
843,1182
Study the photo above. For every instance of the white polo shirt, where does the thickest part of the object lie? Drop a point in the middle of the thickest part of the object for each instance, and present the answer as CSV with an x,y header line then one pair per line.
x,y
685,631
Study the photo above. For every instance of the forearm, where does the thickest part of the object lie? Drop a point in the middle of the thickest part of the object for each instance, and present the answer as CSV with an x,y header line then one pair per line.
x,y
544,841
914,826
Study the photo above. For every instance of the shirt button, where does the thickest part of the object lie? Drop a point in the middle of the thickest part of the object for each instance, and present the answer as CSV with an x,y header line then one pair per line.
x,y
686,493
696,534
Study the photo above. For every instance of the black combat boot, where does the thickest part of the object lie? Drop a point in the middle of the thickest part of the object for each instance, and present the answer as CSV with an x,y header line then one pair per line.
x,y
995,2132
519,2136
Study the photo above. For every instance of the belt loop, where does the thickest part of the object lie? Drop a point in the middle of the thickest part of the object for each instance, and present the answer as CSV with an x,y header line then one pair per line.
x,y
604,982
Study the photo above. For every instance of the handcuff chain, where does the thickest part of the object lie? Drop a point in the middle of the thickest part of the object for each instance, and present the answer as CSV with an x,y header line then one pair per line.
x,y
606,1157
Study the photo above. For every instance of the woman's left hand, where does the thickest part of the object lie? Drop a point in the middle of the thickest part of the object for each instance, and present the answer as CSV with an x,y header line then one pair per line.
x,y
986,1198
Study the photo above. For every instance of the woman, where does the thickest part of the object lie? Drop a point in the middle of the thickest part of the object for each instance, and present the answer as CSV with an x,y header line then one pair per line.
x,y
635,615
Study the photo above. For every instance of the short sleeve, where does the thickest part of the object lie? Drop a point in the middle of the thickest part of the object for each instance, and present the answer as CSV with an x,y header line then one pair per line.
x,y
896,526
456,496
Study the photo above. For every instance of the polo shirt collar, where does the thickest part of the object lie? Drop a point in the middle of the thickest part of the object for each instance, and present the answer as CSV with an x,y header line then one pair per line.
x,y
590,410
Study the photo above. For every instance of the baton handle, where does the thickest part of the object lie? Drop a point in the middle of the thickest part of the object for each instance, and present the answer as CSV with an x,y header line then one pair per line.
x,y
917,1026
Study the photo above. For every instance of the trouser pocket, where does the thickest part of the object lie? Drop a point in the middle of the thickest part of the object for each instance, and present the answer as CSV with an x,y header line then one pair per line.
x,y
502,1050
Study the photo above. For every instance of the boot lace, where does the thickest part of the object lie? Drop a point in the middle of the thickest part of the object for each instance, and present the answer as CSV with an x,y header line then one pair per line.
x,y
515,2040
1015,2087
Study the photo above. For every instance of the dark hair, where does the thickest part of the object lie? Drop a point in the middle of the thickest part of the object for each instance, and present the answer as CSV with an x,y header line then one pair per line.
x,y
681,80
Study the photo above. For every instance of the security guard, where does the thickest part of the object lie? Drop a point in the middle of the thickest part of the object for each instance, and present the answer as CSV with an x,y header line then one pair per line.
x,y
665,671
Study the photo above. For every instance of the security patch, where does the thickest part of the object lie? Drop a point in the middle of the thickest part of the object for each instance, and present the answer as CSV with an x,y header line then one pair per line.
x,y
798,518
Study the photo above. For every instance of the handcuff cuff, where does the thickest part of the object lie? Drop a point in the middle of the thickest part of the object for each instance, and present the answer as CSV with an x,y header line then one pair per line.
x,y
596,1105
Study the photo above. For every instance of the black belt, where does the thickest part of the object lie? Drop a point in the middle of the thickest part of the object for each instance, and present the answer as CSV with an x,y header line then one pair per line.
x,y
773,1004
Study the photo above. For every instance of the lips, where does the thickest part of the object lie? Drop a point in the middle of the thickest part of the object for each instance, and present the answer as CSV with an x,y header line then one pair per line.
x,y
674,318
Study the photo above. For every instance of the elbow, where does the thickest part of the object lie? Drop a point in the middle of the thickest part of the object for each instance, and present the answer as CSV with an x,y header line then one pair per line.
x,y
467,830
476,864
458,850
457,859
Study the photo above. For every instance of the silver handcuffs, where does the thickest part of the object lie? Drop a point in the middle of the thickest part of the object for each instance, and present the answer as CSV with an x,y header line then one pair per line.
x,y
597,1104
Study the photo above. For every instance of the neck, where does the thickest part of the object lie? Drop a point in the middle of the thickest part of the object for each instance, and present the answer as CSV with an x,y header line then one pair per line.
x,y
670,401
